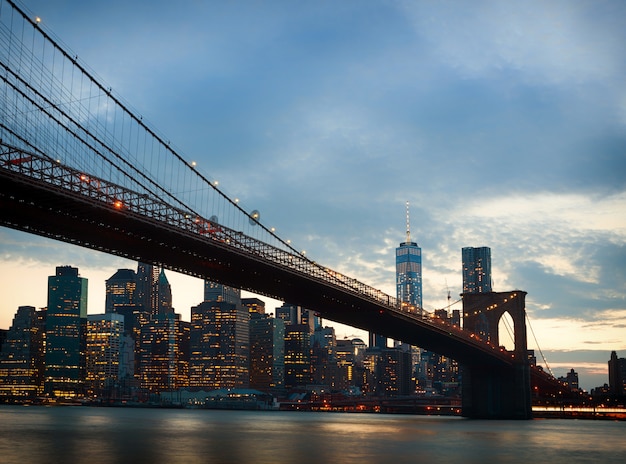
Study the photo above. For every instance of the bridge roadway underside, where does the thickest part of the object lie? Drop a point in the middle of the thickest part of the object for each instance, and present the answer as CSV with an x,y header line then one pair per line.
x,y
46,211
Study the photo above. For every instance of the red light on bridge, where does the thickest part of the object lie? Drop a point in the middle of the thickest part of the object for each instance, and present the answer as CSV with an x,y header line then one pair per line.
x,y
118,204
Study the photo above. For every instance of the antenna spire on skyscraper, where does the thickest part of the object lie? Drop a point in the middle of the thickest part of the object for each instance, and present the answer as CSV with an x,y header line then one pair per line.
x,y
408,225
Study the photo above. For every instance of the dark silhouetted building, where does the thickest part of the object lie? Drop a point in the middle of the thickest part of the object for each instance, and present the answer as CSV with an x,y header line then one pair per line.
x,y
617,375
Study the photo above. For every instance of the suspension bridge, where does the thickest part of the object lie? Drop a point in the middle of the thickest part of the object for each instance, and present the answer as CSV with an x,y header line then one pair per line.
x,y
78,165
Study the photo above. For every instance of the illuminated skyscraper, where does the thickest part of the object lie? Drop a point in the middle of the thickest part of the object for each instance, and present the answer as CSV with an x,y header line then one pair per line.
x,y
476,269
66,322
21,356
147,278
297,355
105,336
409,272
219,340
267,353
164,361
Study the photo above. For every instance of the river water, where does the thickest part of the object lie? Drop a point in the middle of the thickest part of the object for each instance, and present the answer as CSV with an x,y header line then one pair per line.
x,y
92,435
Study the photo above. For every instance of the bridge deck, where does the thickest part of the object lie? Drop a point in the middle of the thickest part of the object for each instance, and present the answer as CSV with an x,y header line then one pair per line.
x,y
40,196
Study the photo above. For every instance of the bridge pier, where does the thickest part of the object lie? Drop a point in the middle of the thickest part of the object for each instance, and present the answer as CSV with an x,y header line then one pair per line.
x,y
490,391
496,393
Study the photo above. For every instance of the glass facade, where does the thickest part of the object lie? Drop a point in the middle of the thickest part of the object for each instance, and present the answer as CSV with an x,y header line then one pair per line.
x,y
121,290
409,276
297,355
220,340
267,353
476,269
21,356
105,335
66,323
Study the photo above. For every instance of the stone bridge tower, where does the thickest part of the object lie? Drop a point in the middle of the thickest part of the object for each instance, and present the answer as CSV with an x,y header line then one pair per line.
x,y
497,392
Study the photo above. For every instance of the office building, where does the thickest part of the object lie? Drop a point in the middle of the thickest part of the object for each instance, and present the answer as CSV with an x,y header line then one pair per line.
x,y
409,272
147,279
297,355
66,322
121,290
104,355
350,354
323,360
220,340
164,356
254,305
394,366
267,353
21,357
476,269
163,294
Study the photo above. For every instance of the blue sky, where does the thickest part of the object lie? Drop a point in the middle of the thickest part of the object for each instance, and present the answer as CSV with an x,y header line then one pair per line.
x,y
502,123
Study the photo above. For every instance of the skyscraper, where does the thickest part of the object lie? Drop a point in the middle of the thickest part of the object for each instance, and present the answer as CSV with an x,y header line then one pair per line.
x,y
66,322
163,358
147,278
121,290
476,269
267,353
297,355
617,375
105,336
163,295
219,355
409,271
21,356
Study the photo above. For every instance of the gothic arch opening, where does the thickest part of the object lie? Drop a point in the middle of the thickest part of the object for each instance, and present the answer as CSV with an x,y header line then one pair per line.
x,y
506,331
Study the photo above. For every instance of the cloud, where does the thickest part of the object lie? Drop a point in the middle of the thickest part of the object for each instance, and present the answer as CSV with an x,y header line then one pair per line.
x,y
546,42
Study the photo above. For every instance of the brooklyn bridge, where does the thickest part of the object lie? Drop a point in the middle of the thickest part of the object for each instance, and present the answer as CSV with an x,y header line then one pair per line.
x,y
77,165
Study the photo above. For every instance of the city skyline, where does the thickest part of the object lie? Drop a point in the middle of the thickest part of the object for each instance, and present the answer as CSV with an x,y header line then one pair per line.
x,y
504,126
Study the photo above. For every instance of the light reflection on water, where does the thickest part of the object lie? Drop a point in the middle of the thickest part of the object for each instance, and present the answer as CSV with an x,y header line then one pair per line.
x,y
118,435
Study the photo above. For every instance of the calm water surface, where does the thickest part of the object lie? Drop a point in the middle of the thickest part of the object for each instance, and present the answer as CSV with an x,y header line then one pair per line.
x,y
125,435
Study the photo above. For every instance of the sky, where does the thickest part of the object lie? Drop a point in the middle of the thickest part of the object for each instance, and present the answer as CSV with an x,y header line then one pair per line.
x,y
502,123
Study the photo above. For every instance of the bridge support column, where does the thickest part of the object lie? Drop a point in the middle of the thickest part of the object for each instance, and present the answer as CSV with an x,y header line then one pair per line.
x,y
496,393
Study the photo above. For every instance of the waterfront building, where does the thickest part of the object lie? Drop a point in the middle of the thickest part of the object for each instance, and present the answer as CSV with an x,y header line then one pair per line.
x,y
21,356
350,371
104,355
220,340
164,356
476,269
267,353
617,375
66,322
571,380
394,372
